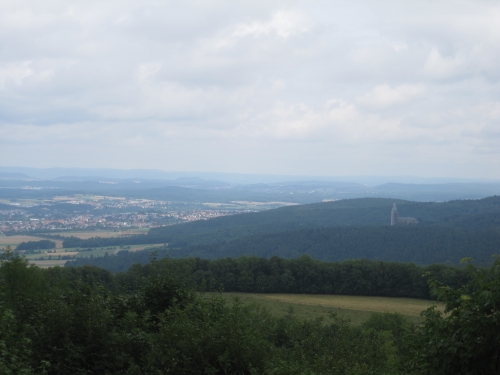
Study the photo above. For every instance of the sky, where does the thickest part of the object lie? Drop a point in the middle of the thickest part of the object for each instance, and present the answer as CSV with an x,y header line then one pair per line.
x,y
329,88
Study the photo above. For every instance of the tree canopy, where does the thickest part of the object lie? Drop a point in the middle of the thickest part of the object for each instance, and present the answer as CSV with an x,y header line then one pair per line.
x,y
466,339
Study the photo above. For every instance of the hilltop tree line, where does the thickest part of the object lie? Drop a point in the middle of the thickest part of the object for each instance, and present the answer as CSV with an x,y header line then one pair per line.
x,y
85,320
278,275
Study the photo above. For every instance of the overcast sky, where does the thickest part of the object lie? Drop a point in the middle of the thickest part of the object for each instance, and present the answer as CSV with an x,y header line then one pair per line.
x,y
311,88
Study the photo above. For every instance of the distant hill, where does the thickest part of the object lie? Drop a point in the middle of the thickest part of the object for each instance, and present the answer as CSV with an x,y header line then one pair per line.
x,y
14,176
436,192
466,214
451,217
199,188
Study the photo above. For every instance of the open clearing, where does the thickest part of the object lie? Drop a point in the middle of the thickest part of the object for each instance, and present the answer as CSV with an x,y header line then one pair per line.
x,y
357,308
16,240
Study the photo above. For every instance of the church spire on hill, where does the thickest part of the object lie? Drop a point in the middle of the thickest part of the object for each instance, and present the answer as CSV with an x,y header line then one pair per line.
x,y
395,218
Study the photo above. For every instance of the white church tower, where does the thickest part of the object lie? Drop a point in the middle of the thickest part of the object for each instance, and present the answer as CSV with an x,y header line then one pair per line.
x,y
394,215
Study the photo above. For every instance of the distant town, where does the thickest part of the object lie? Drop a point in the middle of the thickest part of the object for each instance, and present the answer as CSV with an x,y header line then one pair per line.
x,y
68,213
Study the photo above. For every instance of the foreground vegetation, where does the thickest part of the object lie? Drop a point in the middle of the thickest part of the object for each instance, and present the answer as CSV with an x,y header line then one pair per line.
x,y
149,320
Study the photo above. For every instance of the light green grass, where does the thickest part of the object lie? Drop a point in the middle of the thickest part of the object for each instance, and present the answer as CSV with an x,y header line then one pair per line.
x,y
356,308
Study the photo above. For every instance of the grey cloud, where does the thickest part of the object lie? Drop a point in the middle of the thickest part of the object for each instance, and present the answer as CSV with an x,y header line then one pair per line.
x,y
242,84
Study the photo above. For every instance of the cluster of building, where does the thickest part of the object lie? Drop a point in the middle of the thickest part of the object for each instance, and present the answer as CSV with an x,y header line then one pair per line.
x,y
104,213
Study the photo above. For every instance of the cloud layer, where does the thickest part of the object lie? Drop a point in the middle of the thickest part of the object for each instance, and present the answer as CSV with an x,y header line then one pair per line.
x,y
316,87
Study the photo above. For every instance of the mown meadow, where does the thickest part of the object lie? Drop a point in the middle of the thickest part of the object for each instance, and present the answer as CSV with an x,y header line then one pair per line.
x,y
357,309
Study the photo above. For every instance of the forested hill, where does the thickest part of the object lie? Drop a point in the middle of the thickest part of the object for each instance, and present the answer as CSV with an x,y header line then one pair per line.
x,y
419,245
465,214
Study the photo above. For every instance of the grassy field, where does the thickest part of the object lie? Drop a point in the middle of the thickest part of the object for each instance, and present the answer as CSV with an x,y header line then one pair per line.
x,y
357,309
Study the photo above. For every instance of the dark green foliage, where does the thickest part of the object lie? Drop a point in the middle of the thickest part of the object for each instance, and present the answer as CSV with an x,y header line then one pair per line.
x,y
36,245
73,331
211,337
148,321
21,284
467,339
308,347
162,291
14,351
87,274
398,325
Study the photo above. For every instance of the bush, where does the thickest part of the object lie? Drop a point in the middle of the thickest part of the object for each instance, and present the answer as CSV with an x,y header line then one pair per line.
x,y
466,340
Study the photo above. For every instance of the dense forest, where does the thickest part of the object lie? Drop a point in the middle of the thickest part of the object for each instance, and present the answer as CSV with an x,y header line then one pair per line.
x,y
300,275
150,320
420,245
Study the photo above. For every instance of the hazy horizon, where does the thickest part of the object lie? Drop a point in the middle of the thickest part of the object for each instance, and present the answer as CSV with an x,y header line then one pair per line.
x,y
235,178
334,89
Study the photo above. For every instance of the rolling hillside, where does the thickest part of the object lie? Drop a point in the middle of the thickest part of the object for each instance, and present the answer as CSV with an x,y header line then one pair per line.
x,y
336,231
464,214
